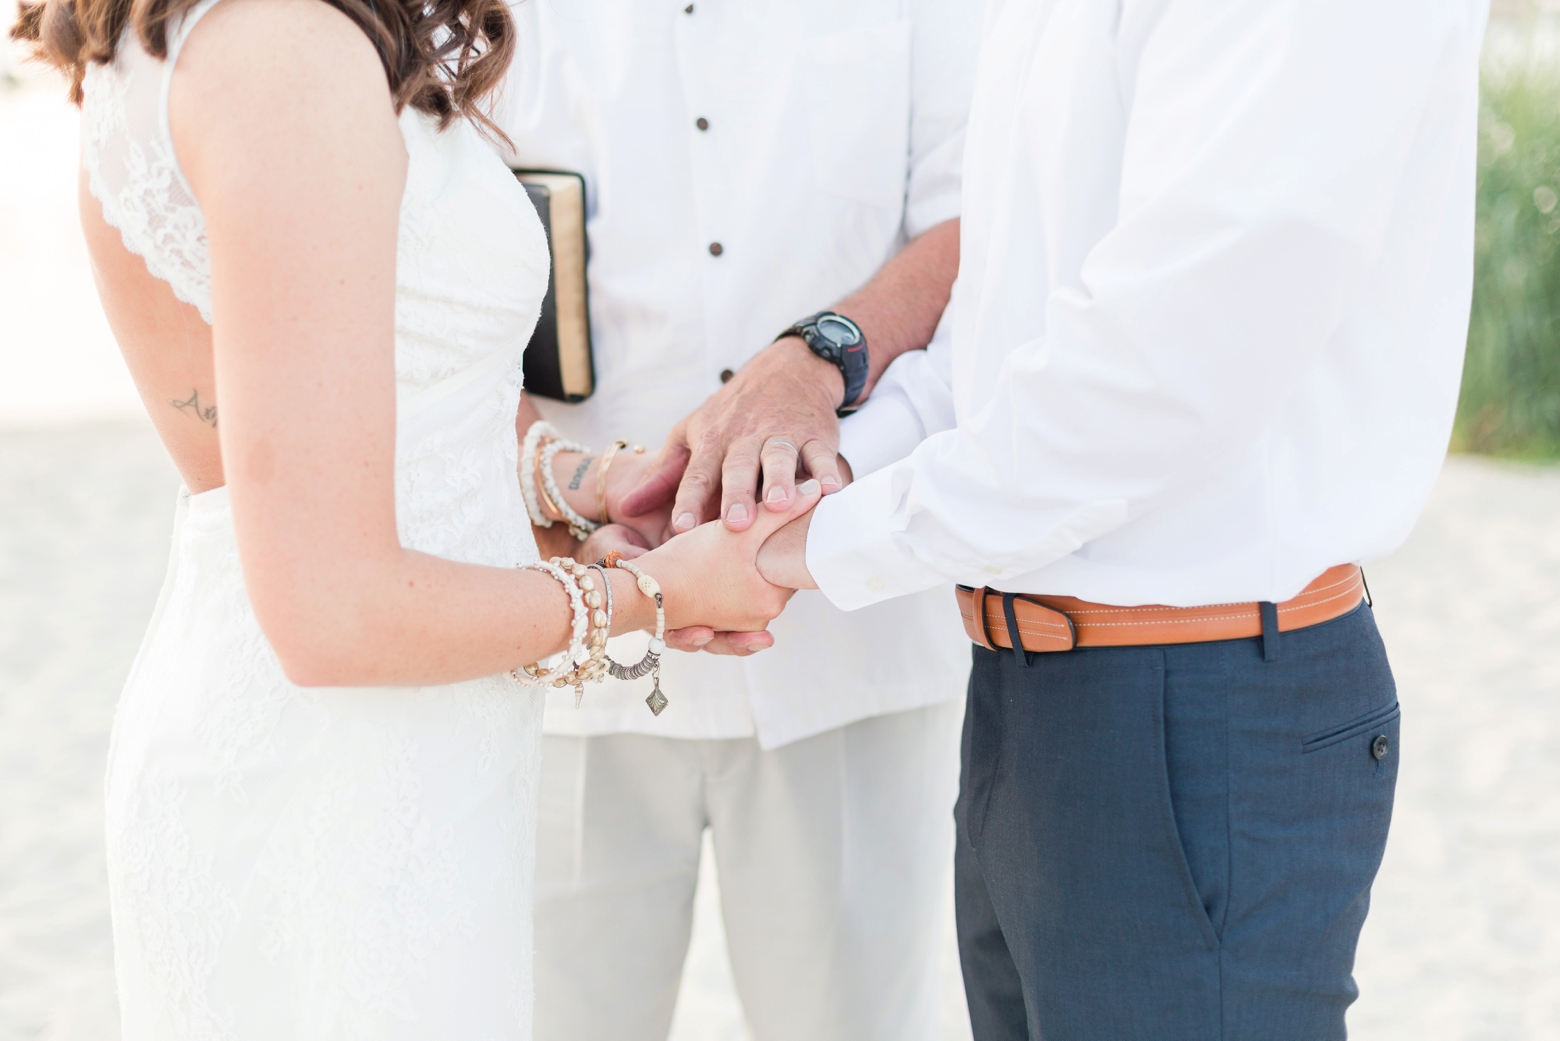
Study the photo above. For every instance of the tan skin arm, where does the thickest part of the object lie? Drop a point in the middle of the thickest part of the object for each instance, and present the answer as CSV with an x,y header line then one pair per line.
x,y
267,95
166,345
788,394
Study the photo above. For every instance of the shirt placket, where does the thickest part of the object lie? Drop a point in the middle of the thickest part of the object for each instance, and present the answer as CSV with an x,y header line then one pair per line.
x,y
696,34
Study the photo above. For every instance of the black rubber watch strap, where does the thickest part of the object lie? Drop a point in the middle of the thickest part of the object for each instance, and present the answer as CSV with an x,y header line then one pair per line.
x,y
852,360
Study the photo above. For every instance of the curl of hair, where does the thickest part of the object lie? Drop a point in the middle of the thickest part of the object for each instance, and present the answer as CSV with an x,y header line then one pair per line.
x,y
441,57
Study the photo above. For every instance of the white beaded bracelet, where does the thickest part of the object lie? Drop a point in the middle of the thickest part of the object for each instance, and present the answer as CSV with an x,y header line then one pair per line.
x,y
529,449
580,527
578,653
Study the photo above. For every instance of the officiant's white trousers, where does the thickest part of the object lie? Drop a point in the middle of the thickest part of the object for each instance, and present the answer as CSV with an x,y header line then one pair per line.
x,y
833,855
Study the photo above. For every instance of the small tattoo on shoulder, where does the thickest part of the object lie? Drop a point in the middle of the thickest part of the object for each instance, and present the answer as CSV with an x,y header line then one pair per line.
x,y
207,414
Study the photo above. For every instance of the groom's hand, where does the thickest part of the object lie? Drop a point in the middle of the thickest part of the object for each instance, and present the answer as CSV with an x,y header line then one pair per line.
x,y
773,420
782,559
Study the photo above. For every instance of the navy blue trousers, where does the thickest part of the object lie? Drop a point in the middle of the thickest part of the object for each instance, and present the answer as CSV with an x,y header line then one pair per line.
x,y
1173,843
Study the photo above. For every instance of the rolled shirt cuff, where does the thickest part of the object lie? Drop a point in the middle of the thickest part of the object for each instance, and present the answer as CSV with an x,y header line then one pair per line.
x,y
922,215
853,552
884,430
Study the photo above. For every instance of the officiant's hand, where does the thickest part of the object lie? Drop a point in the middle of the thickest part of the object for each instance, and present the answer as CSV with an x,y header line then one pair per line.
x,y
774,420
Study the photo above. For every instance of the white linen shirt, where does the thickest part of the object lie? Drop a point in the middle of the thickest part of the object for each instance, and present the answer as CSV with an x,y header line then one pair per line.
x,y
1208,328
834,131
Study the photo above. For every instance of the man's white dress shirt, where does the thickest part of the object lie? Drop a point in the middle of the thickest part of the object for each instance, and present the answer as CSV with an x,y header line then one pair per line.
x,y
1208,329
747,163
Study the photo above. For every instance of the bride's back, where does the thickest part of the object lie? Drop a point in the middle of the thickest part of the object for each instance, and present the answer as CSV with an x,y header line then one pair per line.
x,y
147,232
150,258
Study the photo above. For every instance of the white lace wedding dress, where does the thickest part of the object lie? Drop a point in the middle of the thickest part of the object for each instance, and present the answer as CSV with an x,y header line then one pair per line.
x,y
291,864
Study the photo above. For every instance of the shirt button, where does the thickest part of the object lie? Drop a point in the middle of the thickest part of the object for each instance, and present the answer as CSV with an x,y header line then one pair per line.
x,y
716,249
1380,747
688,9
875,584
993,570
702,123
725,375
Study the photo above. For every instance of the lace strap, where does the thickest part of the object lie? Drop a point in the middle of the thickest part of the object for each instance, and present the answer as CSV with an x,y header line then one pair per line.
x,y
176,38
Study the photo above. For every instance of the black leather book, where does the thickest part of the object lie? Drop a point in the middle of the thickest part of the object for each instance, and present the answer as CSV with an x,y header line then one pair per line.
x,y
558,362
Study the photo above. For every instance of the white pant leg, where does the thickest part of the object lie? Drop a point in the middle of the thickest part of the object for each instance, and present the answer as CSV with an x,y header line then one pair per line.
x,y
834,854
620,819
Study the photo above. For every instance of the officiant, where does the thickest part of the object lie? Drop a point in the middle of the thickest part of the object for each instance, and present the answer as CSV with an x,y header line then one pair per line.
x,y
772,201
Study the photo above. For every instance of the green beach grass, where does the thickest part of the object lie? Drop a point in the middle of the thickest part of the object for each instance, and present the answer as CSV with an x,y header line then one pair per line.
x,y
1510,403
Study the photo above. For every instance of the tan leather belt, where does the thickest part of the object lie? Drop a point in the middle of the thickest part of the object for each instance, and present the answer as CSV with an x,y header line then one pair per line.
x,y
1060,623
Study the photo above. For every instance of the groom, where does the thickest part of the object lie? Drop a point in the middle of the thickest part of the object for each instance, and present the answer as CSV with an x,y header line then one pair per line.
x,y
1215,274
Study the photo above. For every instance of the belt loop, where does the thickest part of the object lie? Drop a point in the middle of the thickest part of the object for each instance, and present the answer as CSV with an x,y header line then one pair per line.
x,y
980,613
1269,630
1020,653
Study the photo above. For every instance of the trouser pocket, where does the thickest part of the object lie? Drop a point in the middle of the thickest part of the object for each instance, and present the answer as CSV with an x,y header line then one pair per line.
x,y
1372,723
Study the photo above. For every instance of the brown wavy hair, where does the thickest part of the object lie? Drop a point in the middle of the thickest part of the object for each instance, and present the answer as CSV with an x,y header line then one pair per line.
x,y
442,57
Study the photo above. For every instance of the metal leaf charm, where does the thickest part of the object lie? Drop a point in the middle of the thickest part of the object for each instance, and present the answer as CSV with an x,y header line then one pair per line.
x,y
657,701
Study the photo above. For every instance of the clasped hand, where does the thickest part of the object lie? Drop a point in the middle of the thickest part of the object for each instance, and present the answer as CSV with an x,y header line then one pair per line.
x,y
771,424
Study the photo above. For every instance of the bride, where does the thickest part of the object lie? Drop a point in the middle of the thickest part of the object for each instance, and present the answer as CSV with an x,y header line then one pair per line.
x,y
321,789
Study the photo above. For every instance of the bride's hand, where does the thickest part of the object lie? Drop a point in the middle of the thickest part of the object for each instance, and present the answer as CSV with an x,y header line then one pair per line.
x,y
709,578
609,538
703,638
626,473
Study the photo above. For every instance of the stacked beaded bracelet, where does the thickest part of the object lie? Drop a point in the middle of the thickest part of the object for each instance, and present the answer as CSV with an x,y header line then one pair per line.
x,y
530,449
606,587
543,442
650,664
540,488
579,526
586,660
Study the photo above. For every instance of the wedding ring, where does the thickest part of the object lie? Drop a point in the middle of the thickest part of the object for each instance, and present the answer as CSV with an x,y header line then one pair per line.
x,y
782,441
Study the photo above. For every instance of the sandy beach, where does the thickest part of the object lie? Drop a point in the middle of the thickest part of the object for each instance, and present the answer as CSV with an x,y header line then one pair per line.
x,y
1463,942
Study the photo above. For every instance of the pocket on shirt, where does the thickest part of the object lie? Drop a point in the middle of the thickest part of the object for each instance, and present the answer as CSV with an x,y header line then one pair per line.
x,y
857,88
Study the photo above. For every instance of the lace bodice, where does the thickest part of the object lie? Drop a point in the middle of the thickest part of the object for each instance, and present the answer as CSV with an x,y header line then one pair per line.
x,y
132,171
471,265
471,261
290,862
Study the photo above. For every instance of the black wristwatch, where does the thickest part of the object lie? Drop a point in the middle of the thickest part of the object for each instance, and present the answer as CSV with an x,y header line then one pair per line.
x,y
836,339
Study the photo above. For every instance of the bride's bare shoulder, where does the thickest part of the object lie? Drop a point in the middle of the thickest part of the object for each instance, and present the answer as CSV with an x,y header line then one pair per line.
x,y
289,66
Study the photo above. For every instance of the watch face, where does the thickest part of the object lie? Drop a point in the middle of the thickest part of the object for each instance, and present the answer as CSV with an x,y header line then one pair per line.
x,y
841,332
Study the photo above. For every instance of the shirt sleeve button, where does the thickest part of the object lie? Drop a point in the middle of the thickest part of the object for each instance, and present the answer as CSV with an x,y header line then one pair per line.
x,y
875,584
716,249
702,123
725,375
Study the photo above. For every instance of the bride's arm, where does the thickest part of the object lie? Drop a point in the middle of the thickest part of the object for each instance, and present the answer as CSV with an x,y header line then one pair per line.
x,y
285,129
